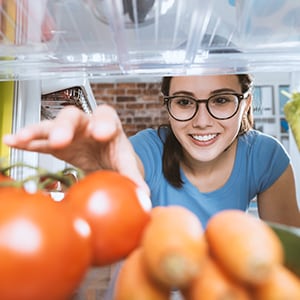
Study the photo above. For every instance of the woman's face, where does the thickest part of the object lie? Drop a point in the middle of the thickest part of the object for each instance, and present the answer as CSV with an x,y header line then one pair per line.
x,y
205,138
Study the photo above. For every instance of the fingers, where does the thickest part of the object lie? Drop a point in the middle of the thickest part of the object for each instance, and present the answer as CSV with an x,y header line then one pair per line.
x,y
46,134
105,123
70,124
69,121
25,135
102,125
129,168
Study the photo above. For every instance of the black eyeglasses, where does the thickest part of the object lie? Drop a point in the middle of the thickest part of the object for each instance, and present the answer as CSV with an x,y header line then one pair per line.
x,y
220,106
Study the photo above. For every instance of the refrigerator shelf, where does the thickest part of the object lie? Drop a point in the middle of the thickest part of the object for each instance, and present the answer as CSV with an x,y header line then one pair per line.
x,y
39,39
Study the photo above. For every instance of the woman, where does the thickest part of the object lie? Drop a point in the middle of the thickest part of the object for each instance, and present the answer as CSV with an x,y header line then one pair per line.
x,y
207,159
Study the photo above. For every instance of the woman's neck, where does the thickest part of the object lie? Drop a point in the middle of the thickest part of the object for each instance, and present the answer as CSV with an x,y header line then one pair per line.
x,y
209,176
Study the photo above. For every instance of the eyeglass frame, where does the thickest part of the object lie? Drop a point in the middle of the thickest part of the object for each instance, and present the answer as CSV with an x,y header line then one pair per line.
x,y
240,97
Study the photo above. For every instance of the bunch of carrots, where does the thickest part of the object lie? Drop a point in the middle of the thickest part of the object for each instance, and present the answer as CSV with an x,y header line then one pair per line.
x,y
237,257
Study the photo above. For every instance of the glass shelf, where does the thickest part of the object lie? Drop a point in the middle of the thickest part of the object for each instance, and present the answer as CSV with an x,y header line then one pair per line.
x,y
129,38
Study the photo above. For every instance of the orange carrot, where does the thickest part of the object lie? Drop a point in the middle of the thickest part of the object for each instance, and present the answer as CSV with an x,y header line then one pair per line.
x,y
246,247
174,246
214,284
282,285
133,282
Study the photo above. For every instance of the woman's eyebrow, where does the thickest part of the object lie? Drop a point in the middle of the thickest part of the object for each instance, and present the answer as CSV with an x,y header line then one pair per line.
x,y
223,90
183,92
218,91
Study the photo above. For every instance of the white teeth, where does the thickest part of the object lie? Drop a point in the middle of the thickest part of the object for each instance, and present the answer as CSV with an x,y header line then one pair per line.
x,y
204,138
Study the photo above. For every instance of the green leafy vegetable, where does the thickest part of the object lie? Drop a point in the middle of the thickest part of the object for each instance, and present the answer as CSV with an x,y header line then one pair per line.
x,y
292,113
290,239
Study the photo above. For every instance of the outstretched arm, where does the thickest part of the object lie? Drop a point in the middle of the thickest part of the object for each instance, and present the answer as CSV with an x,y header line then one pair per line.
x,y
278,203
89,142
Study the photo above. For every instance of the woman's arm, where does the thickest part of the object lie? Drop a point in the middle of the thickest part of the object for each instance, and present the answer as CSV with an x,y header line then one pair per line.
x,y
89,142
278,203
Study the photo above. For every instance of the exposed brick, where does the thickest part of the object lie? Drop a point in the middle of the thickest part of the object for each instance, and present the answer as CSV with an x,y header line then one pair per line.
x,y
105,85
133,91
138,105
126,99
141,85
106,99
115,91
125,85
154,105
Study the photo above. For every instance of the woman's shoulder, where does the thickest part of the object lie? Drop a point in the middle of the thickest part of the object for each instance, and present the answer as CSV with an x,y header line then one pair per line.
x,y
263,147
145,134
257,138
148,140
151,134
266,158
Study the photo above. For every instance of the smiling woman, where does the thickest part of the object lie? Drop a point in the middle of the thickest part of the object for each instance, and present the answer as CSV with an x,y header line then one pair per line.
x,y
199,157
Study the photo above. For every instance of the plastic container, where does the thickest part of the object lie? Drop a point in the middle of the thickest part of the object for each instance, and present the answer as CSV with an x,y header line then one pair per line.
x,y
269,25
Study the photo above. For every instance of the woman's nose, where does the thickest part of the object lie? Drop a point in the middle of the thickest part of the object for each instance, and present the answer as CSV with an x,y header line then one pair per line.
x,y
202,117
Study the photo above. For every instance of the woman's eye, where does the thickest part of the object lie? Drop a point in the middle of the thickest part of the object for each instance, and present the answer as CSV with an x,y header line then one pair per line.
x,y
184,101
221,100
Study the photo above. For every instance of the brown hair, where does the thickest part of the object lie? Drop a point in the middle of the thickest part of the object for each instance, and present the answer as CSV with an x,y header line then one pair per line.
x,y
173,154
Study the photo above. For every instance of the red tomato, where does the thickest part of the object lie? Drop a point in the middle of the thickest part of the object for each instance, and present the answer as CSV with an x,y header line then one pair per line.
x,y
8,184
4,178
111,204
44,250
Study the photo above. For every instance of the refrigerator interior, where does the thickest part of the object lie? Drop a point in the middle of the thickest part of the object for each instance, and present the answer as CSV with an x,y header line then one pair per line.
x,y
40,39
60,46
52,45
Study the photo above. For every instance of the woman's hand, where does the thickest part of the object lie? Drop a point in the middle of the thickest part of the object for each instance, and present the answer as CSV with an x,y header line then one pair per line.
x,y
89,142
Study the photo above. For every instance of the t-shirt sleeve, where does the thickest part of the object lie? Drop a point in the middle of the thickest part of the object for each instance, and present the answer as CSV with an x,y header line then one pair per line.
x,y
148,147
270,161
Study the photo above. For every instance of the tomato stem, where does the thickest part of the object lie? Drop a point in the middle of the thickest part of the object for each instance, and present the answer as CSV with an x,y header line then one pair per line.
x,y
17,165
11,183
43,178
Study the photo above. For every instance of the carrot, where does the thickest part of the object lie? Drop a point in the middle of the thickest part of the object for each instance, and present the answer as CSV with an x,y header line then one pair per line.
x,y
174,246
133,282
282,285
245,246
214,284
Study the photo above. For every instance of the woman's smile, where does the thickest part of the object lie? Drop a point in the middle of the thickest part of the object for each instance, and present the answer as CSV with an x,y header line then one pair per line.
x,y
204,137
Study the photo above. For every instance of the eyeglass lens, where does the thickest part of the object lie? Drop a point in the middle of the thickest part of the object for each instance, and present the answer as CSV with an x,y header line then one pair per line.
x,y
221,106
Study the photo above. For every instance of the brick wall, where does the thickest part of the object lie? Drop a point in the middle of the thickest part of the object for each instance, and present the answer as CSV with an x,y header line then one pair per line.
x,y
137,103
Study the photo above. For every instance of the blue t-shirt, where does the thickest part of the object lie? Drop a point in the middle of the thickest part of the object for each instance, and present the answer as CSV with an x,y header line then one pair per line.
x,y
260,160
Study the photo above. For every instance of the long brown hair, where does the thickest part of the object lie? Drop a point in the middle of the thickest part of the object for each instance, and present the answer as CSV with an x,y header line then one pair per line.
x,y
173,153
